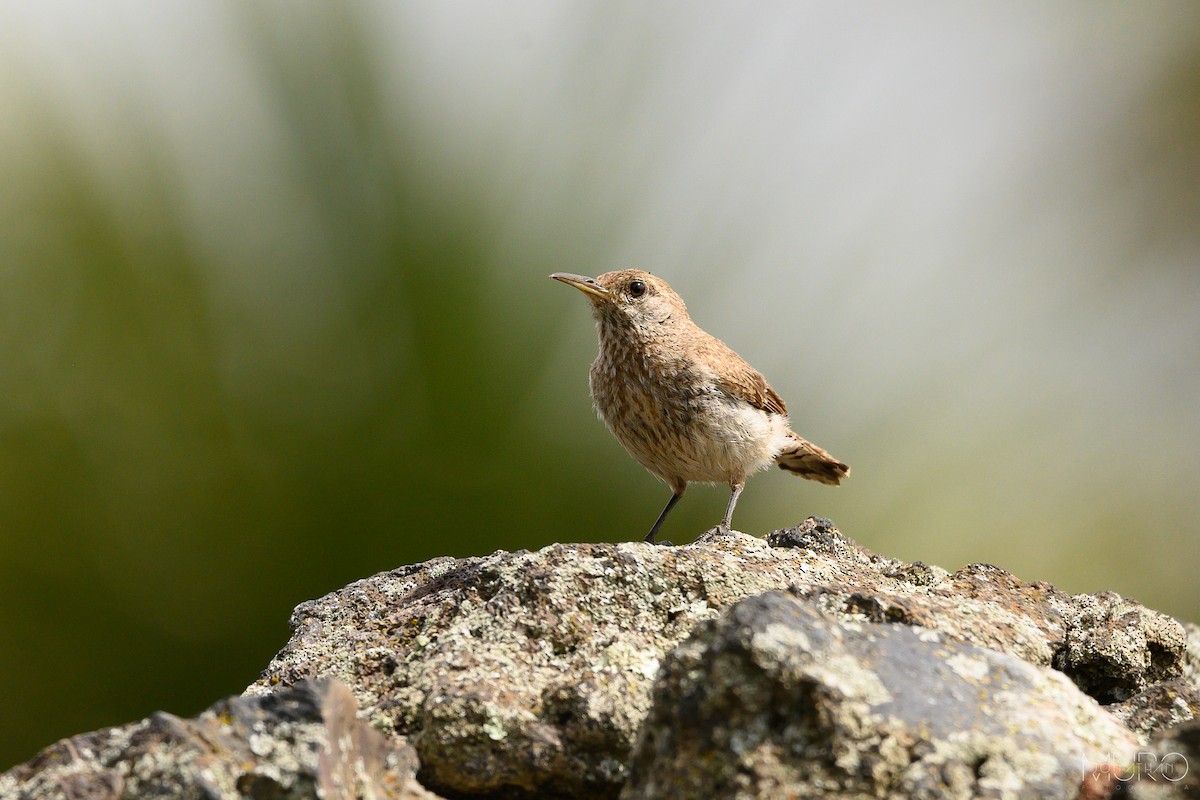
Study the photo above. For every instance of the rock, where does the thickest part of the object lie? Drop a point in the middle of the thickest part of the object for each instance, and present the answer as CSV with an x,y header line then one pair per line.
x,y
1191,656
529,674
1169,768
532,674
1115,648
287,744
776,698
522,673
1160,707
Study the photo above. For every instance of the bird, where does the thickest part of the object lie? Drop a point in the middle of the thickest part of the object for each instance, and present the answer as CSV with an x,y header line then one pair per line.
x,y
682,403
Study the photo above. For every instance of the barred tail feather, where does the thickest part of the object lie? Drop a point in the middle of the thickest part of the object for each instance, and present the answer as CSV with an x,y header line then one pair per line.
x,y
803,458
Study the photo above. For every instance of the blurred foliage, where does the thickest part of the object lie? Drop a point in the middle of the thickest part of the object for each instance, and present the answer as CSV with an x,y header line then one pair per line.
x,y
192,441
263,333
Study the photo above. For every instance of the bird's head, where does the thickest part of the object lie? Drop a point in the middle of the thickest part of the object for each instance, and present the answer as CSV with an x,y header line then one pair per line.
x,y
632,294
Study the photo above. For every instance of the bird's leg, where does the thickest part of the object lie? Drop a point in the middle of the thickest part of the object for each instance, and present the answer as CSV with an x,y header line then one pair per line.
x,y
736,488
676,493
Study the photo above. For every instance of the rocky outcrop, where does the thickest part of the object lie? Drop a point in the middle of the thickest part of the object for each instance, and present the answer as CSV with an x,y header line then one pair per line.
x,y
735,667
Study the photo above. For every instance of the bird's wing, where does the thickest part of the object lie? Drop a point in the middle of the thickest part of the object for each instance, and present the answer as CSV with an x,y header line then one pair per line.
x,y
737,378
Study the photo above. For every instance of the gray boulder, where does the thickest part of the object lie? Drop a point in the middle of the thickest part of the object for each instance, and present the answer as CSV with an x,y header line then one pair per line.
x,y
529,674
292,743
776,698
1167,769
533,675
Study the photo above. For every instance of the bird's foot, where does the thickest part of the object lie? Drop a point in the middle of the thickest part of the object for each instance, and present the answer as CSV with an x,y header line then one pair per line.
x,y
650,539
715,533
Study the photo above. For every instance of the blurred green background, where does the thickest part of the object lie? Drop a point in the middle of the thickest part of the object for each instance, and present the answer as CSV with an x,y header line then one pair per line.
x,y
274,313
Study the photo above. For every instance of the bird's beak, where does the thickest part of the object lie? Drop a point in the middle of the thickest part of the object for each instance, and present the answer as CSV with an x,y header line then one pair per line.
x,y
584,284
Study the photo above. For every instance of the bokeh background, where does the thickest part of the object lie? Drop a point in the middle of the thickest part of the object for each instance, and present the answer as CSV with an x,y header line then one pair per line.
x,y
274,312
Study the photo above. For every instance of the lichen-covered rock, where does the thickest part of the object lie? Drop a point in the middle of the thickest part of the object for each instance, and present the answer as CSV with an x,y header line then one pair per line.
x,y
1115,648
1165,770
1191,654
778,699
529,673
522,673
302,742
1160,707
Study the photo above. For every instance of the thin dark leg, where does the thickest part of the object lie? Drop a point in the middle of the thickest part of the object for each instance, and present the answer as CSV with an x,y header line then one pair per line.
x,y
658,523
726,524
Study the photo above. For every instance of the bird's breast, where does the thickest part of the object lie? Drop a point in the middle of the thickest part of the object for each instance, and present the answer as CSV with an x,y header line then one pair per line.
x,y
673,419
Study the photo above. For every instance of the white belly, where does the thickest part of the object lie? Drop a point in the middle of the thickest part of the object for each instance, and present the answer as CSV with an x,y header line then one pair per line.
x,y
710,439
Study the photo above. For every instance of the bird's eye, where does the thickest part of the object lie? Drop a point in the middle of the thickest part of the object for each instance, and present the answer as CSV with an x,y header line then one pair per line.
x,y
637,288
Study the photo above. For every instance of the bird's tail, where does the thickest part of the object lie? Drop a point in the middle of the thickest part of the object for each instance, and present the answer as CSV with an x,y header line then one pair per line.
x,y
803,458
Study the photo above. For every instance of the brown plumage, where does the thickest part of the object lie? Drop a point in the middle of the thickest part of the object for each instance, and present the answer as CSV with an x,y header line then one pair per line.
x,y
684,405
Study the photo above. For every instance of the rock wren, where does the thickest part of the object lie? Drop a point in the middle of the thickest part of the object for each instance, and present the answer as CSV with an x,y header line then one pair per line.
x,y
685,406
